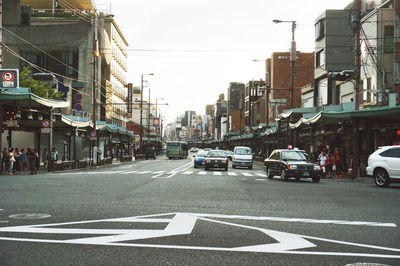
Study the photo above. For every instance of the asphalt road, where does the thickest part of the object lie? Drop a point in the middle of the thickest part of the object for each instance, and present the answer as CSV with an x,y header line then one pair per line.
x,y
165,212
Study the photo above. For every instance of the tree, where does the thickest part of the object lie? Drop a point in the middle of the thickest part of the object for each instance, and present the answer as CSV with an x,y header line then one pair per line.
x,y
39,88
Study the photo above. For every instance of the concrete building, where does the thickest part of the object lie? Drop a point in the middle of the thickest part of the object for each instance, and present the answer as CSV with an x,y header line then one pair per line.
x,y
280,75
236,119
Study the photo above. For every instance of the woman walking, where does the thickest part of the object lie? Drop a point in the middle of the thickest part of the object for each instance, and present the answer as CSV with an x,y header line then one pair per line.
x,y
11,161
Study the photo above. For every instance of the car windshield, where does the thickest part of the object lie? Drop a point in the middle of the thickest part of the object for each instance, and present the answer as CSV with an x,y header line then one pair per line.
x,y
293,156
243,151
216,154
202,154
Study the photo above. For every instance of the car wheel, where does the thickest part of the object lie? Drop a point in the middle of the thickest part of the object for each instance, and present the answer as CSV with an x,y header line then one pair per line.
x,y
269,174
250,167
381,178
283,175
233,166
316,179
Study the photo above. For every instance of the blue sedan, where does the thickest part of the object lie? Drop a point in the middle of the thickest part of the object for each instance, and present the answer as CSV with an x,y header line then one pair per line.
x,y
199,158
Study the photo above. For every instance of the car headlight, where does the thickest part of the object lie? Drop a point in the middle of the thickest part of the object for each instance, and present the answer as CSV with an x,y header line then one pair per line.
x,y
316,167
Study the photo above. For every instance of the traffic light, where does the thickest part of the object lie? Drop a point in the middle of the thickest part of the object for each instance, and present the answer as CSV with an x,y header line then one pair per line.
x,y
341,76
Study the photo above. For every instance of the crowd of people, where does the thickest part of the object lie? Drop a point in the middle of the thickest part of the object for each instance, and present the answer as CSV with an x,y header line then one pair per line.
x,y
13,161
330,162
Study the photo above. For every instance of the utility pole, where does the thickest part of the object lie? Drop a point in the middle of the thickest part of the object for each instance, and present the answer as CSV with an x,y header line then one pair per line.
x,y
293,58
1,66
95,55
148,120
357,66
141,114
267,86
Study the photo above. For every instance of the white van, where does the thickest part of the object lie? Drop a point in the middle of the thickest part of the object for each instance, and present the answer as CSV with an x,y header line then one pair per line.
x,y
242,157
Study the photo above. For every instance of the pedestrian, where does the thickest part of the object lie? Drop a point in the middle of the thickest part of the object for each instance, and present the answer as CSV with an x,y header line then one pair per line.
x,y
23,159
17,163
338,164
328,164
54,155
32,160
11,161
322,160
4,161
37,159
45,158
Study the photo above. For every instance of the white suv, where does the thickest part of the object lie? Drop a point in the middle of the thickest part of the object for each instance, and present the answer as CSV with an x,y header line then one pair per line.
x,y
384,165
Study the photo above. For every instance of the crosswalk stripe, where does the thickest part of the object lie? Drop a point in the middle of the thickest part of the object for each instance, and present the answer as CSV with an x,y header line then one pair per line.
x,y
158,172
232,174
217,173
144,172
247,174
187,172
202,173
262,175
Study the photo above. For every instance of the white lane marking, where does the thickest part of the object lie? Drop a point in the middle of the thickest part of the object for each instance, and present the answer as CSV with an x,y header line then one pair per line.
x,y
262,175
3,222
217,173
129,172
171,174
143,172
261,179
183,167
183,224
1,210
202,173
187,173
247,174
232,174
159,172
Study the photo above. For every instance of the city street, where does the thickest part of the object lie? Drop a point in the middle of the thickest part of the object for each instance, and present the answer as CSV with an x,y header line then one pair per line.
x,y
165,212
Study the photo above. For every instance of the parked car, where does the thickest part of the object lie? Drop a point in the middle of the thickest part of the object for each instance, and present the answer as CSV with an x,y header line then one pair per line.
x,y
216,159
242,157
288,163
199,158
384,165
150,153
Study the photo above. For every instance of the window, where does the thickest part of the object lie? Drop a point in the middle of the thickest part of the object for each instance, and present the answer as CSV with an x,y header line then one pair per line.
x,y
394,153
388,39
320,58
319,29
369,90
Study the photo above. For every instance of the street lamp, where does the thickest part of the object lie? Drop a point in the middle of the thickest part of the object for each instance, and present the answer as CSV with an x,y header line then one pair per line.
x,y
267,85
141,109
292,56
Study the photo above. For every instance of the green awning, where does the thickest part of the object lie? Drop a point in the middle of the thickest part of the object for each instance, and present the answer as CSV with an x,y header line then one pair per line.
x,y
25,98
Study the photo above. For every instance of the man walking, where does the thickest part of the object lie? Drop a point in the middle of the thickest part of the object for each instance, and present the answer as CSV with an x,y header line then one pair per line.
x,y
31,160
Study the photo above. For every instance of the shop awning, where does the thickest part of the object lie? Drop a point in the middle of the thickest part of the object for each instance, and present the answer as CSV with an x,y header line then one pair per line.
x,y
22,97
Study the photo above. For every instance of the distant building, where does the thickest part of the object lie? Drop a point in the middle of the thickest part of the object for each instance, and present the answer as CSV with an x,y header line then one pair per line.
x,y
235,106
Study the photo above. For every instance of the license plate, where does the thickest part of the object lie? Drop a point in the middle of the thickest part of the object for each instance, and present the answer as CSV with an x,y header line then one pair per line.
x,y
306,173
216,165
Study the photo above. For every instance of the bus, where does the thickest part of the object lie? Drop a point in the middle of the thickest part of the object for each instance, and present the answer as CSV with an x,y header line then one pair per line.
x,y
177,149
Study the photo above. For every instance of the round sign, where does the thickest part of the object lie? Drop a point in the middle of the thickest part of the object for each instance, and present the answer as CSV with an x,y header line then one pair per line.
x,y
8,76
156,122
93,134
46,123
78,97
78,107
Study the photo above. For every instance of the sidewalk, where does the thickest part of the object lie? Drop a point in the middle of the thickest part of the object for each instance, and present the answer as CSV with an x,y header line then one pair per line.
x,y
42,170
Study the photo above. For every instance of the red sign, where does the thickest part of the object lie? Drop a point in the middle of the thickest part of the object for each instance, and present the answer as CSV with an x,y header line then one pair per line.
x,y
46,123
156,122
78,107
398,132
8,76
78,97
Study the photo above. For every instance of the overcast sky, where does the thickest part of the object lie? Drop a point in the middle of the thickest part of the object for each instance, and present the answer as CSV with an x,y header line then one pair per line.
x,y
196,48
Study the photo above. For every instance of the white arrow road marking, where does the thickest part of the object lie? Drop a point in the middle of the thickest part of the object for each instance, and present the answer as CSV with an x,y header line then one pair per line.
x,y
143,172
183,224
232,174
